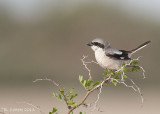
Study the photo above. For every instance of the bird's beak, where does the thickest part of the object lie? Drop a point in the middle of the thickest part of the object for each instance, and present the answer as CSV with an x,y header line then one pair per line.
x,y
89,44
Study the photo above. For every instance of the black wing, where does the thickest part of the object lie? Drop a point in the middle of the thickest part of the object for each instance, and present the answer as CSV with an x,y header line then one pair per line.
x,y
122,56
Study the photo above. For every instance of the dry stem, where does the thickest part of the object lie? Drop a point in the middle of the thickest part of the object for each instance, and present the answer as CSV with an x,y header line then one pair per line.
x,y
85,65
47,79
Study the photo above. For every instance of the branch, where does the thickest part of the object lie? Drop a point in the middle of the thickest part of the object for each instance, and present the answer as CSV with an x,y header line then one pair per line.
x,y
85,65
144,76
47,79
100,91
137,89
88,93
122,82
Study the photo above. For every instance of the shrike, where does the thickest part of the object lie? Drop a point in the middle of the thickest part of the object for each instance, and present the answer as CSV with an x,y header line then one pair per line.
x,y
111,58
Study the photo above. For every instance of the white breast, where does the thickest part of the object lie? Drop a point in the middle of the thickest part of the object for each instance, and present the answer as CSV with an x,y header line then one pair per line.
x,y
106,62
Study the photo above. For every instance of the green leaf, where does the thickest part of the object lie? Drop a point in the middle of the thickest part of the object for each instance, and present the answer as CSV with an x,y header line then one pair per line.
x,y
61,91
134,62
108,73
82,113
124,68
71,102
96,83
135,68
58,96
54,110
80,78
89,82
116,77
119,72
73,96
114,82
55,94
71,91
75,105
124,76
84,83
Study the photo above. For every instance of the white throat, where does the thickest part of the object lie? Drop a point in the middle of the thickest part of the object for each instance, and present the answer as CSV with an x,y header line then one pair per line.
x,y
95,48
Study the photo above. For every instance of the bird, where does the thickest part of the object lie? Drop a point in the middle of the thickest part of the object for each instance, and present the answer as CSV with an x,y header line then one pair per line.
x,y
111,58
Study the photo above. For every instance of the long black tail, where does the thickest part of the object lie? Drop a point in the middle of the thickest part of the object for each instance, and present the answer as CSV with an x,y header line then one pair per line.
x,y
139,47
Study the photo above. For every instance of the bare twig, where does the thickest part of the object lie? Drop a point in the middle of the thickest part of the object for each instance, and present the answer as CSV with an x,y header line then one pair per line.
x,y
85,65
144,76
47,79
136,88
122,82
32,105
100,91
139,90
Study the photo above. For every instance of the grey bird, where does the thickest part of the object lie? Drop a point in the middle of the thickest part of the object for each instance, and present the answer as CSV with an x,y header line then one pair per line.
x,y
111,58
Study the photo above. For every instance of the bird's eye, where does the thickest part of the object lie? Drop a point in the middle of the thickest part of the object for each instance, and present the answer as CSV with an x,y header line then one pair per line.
x,y
98,44
95,43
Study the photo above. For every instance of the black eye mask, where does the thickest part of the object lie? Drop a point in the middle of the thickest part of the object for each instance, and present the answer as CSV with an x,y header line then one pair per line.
x,y
98,44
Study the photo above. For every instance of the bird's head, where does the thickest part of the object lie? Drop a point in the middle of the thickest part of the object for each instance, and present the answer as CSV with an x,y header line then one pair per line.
x,y
98,43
